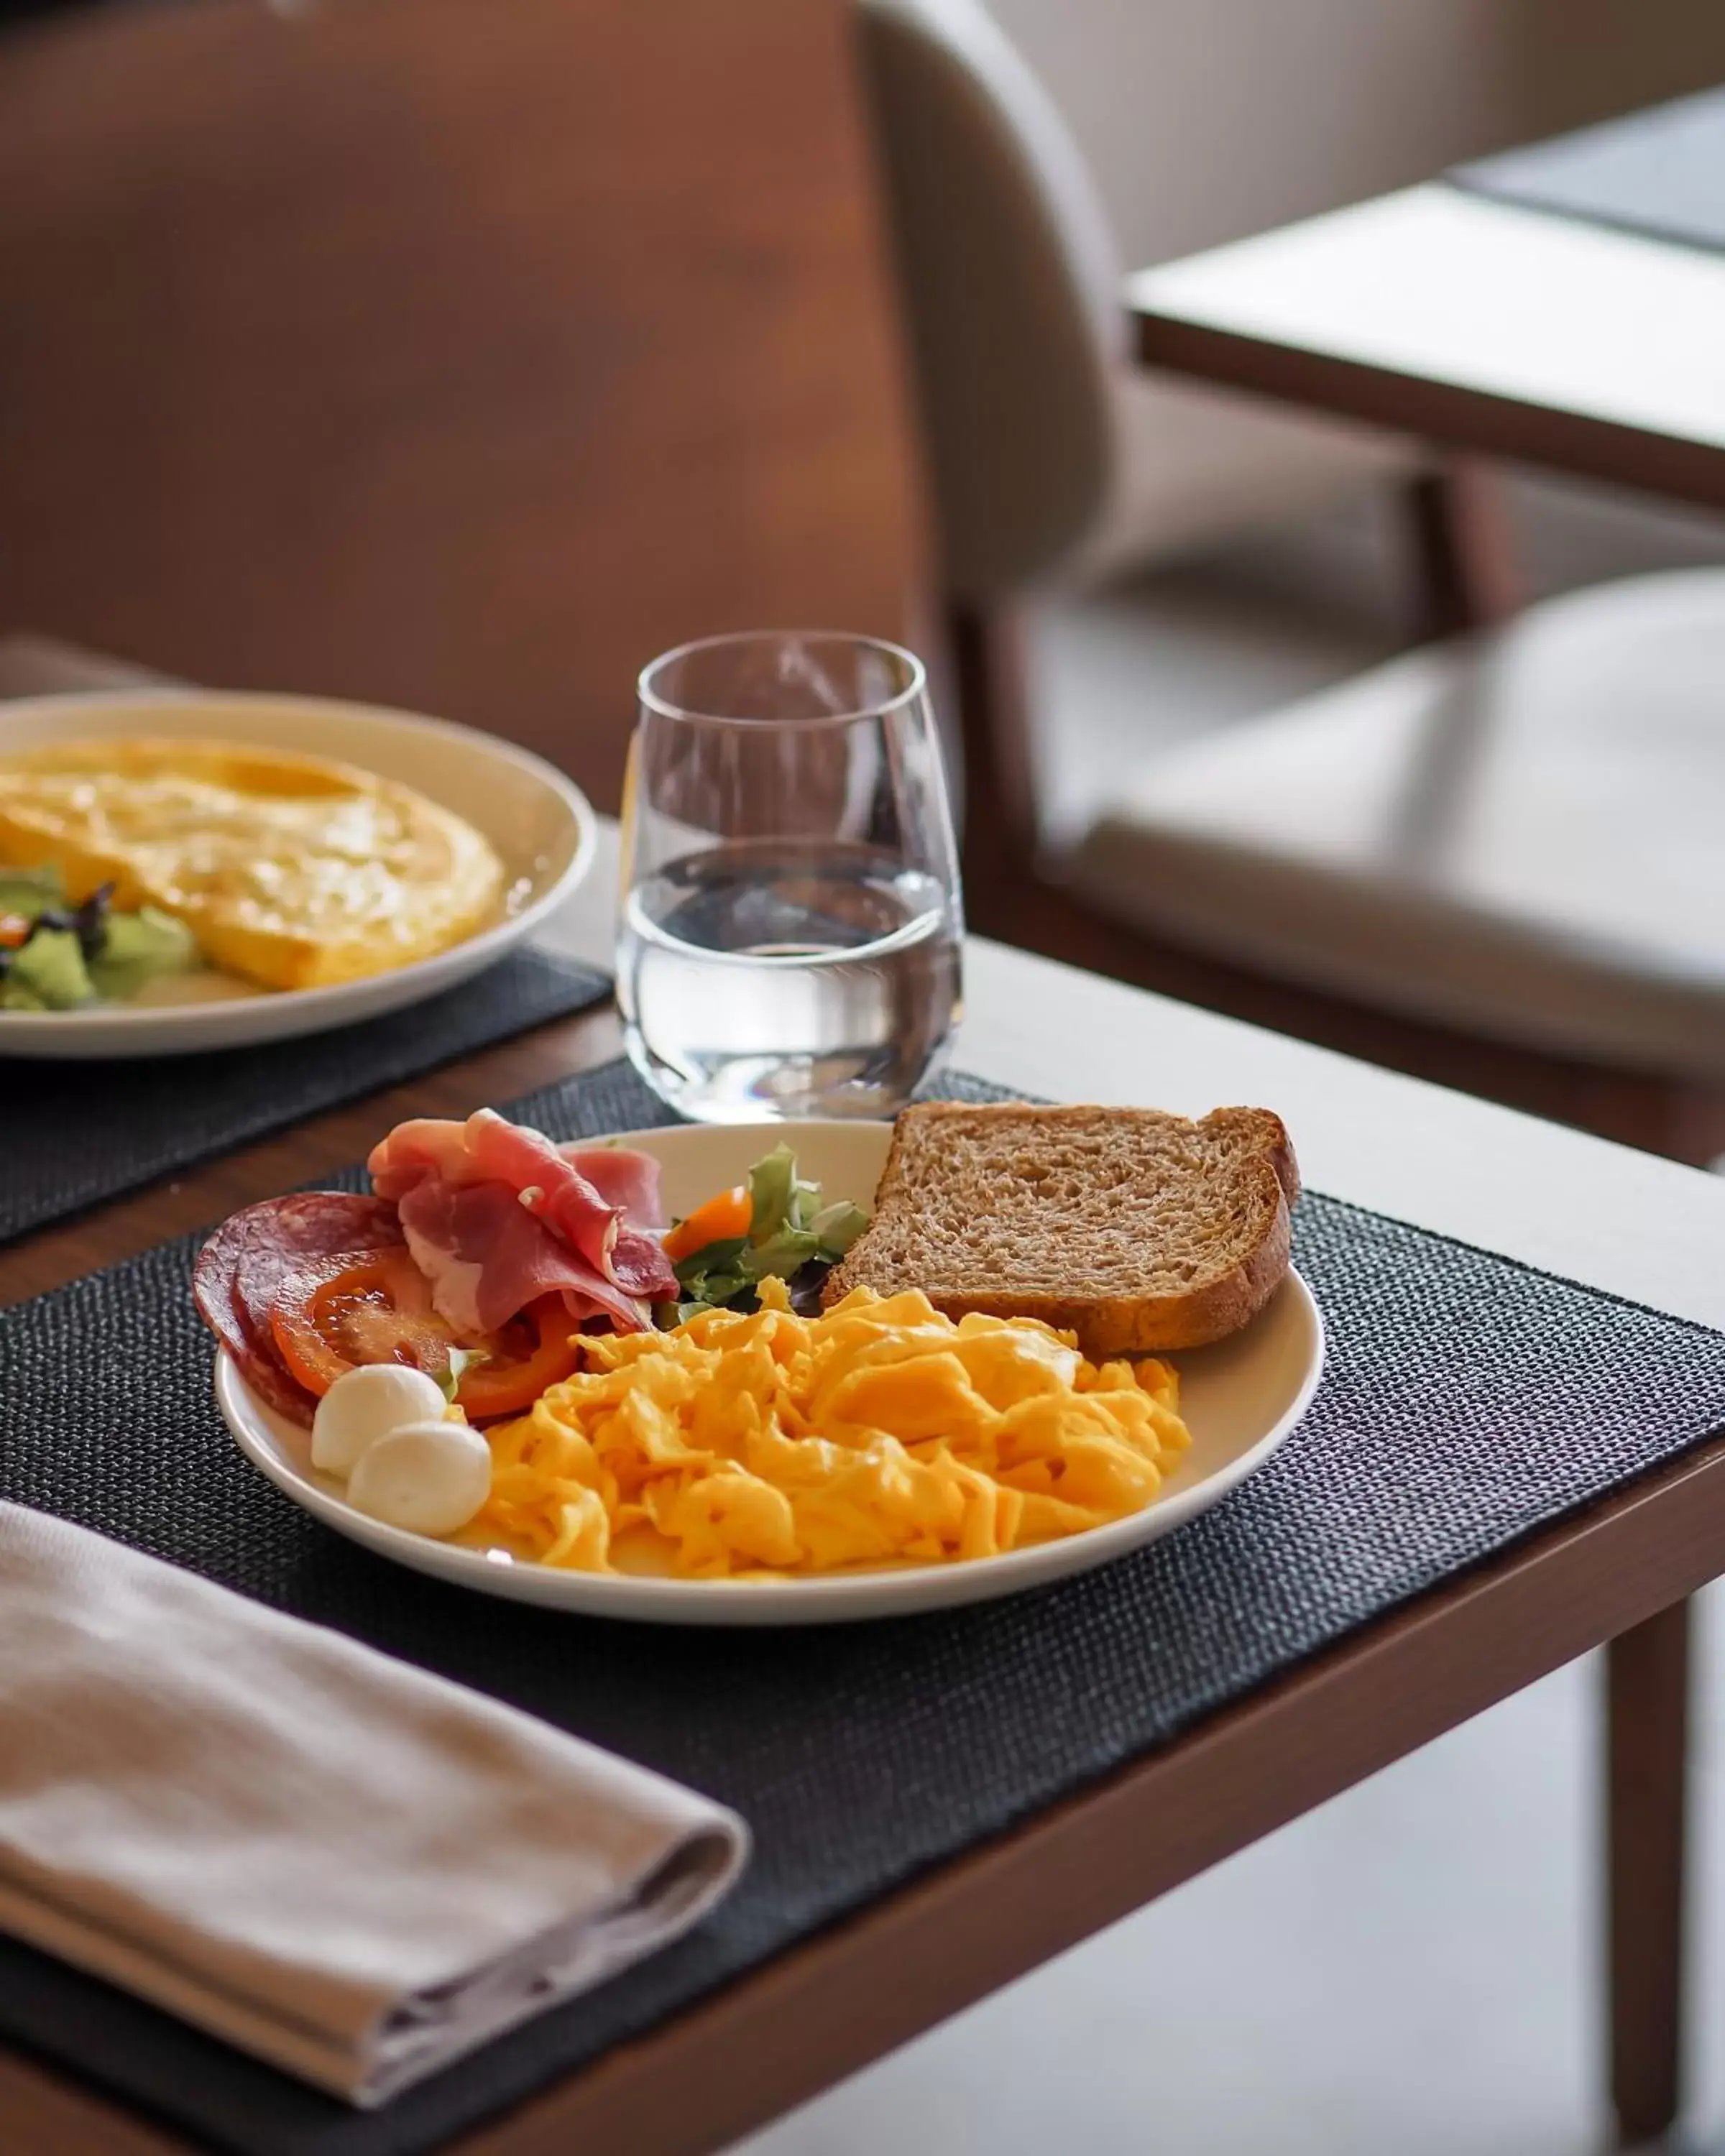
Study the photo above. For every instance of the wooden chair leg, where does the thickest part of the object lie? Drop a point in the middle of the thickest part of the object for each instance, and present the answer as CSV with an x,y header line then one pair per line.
x,y
1463,555
1647,1748
989,670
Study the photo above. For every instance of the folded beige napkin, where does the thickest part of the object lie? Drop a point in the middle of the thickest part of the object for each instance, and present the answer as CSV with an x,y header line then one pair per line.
x,y
354,1870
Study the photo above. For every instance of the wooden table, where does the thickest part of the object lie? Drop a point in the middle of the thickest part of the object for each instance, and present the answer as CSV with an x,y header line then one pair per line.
x,y
1480,327
1621,1221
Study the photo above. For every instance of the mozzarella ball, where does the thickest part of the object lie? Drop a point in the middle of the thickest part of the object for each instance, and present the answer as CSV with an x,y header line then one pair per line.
x,y
363,1404
429,1477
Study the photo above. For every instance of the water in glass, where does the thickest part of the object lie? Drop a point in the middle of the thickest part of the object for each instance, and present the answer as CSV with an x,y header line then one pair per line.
x,y
798,953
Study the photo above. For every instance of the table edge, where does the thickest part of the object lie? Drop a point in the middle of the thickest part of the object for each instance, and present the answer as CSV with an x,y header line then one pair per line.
x,y
1449,414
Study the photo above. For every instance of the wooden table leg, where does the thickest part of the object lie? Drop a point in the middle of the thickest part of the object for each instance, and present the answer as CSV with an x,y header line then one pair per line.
x,y
990,668
1647,1717
1463,552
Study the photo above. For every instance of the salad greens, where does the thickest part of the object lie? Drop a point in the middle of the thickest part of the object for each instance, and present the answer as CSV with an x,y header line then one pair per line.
x,y
461,1360
791,1233
54,956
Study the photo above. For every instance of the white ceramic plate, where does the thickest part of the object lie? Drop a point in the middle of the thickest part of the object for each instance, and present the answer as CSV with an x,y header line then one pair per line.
x,y
540,823
1241,1399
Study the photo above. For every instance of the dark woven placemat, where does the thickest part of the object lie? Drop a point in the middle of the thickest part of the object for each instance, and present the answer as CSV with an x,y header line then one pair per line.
x,y
1468,1401
77,1134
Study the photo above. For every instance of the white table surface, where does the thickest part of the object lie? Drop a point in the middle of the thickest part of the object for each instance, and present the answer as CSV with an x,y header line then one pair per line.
x,y
1451,287
1619,1219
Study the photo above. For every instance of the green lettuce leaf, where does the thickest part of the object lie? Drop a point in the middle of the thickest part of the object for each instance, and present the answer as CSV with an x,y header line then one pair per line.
x,y
461,1360
783,1254
720,1257
836,1227
772,1190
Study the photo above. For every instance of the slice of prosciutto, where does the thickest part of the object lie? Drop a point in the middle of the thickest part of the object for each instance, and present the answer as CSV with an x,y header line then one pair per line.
x,y
495,1215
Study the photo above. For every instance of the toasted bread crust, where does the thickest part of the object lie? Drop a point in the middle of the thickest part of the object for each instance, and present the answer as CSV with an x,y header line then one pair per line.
x,y
1244,1169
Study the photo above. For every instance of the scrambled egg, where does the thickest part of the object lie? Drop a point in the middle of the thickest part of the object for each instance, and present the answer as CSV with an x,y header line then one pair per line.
x,y
880,1433
291,870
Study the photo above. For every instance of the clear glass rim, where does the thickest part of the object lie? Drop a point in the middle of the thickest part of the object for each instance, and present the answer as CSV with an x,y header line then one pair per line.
x,y
662,707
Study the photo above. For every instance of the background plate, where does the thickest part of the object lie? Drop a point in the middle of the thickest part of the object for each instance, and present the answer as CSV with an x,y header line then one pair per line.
x,y
1241,1399
541,824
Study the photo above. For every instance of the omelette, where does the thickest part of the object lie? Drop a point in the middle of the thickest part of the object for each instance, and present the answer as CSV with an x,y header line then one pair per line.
x,y
292,871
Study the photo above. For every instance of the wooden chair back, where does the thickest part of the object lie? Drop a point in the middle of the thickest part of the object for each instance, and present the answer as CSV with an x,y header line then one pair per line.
x,y
451,355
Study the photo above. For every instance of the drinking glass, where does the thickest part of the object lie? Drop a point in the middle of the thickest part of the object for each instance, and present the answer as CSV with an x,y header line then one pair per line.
x,y
791,922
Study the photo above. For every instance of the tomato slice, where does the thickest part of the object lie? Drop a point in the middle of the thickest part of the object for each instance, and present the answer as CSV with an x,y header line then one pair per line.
x,y
508,1381
375,1306
357,1306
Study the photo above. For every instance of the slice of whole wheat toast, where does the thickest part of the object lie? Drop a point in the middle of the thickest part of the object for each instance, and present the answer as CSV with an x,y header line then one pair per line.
x,y
1137,1230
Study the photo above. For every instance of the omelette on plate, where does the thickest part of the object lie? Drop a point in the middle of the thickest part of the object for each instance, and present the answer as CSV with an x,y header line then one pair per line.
x,y
292,871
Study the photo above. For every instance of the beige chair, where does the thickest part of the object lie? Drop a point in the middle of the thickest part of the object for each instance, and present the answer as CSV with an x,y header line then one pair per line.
x,y
1521,834
1047,445
1514,837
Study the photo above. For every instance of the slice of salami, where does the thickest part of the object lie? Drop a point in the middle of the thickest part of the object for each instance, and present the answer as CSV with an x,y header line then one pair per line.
x,y
241,1269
